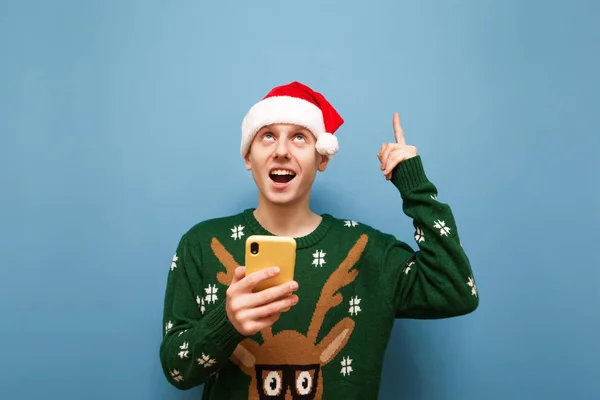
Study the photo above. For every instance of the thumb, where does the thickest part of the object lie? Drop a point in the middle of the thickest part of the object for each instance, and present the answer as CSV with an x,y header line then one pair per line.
x,y
239,274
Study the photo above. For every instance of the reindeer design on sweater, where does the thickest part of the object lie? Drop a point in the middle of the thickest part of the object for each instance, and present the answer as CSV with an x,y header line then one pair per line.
x,y
303,379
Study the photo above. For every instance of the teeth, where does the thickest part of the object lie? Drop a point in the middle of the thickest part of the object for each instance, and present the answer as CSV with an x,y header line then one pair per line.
x,y
282,172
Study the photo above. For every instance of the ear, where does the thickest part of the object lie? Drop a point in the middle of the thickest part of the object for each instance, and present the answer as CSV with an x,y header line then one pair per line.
x,y
247,161
335,341
323,161
243,356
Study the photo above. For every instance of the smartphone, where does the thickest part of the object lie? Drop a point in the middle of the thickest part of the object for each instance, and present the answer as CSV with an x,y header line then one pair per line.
x,y
264,251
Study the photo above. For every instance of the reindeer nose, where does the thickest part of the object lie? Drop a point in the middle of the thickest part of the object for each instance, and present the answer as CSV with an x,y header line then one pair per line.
x,y
288,394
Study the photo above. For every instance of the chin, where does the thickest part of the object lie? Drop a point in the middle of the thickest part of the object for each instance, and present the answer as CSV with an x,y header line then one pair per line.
x,y
289,195
281,198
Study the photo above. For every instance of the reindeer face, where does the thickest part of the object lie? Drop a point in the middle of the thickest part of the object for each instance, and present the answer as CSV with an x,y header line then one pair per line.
x,y
274,382
288,365
301,376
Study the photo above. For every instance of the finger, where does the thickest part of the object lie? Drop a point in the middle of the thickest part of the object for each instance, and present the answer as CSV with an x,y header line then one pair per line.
x,y
265,322
381,151
276,307
270,295
239,273
398,131
253,279
394,159
386,155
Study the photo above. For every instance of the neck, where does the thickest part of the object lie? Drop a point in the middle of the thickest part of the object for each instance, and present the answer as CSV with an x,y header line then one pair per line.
x,y
295,220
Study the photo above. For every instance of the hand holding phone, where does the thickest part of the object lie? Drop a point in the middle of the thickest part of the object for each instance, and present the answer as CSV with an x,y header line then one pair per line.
x,y
263,251
262,290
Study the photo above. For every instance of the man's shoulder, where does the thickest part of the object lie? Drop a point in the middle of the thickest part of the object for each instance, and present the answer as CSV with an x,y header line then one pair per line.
x,y
226,224
349,230
352,224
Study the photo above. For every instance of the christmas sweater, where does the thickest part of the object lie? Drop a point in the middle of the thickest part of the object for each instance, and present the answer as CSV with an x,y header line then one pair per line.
x,y
353,282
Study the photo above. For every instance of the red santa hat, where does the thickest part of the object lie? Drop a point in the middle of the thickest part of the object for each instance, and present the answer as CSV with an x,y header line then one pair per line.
x,y
298,104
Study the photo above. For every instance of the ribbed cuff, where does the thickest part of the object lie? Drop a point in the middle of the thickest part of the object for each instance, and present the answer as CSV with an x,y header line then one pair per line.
x,y
222,332
409,174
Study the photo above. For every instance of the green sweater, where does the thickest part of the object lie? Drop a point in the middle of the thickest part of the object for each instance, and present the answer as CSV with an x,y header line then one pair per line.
x,y
353,282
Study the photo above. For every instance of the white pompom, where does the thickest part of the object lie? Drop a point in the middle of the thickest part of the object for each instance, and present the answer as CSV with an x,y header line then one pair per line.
x,y
327,144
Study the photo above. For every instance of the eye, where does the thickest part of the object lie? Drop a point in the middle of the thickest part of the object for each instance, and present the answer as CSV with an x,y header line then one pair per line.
x,y
268,136
304,383
300,137
272,384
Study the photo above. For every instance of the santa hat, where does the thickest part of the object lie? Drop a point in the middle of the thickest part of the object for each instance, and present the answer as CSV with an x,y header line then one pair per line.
x,y
298,104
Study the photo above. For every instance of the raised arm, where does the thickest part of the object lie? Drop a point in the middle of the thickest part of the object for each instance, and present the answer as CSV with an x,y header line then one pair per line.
x,y
436,281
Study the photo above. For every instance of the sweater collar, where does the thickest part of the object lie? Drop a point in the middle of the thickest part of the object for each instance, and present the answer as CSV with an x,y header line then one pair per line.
x,y
301,242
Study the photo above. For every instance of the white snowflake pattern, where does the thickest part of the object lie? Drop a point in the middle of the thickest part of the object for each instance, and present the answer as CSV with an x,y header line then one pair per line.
x,y
211,294
350,224
184,353
419,235
181,332
471,283
441,225
319,258
176,375
174,262
433,196
200,302
206,361
168,326
237,232
354,306
346,368
408,267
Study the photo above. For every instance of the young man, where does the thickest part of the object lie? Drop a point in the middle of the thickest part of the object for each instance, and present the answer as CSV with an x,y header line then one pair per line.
x,y
351,280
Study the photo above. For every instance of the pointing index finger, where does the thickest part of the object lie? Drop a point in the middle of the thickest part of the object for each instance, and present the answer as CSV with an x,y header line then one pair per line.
x,y
398,131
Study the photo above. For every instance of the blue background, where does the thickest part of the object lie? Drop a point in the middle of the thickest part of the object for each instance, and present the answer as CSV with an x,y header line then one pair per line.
x,y
120,127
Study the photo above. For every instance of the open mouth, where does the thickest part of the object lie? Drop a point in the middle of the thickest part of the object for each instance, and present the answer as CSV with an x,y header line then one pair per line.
x,y
282,175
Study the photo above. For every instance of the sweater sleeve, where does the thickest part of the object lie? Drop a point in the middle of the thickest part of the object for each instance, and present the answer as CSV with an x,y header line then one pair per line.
x,y
436,281
195,345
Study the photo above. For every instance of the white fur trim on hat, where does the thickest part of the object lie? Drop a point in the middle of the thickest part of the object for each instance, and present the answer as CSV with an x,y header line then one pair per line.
x,y
327,144
287,110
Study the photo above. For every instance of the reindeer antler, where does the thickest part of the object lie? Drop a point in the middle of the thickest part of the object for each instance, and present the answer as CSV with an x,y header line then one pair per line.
x,y
226,259
330,297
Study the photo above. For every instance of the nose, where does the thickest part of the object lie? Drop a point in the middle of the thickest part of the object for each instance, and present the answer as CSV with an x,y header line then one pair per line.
x,y
282,150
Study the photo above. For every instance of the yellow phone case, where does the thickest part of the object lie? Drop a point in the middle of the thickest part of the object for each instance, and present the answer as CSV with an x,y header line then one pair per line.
x,y
264,251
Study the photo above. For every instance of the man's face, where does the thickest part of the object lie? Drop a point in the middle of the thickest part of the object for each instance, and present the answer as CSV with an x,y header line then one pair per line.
x,y
284,162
